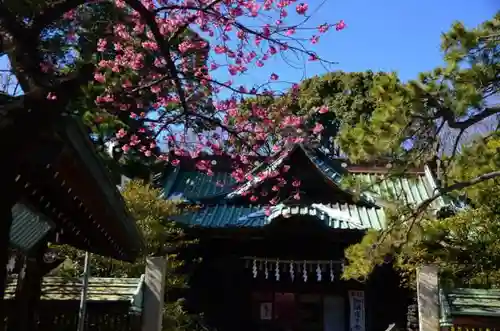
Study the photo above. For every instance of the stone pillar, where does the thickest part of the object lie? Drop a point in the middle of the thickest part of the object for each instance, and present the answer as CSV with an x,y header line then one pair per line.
x,y
428,298
154,293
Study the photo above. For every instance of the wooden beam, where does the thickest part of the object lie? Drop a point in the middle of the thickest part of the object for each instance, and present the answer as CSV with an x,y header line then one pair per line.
x,y
29,288
118,218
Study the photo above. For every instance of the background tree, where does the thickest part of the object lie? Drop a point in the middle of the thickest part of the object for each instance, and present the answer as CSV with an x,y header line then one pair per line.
x,y
447,118
332,102
162,237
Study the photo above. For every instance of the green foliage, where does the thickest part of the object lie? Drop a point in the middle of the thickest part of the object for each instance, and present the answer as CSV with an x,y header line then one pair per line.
x,y
418,112
162,237
437,119
347,96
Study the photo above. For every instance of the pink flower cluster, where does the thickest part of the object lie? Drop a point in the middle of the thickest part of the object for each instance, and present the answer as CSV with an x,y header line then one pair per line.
x,y
154,62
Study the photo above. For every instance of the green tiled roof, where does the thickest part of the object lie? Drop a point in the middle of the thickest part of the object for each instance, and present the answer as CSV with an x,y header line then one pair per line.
x,y
224,216
28,228
198,186
411,190
195,185
319,160
99,289
326,166
335,216
469,302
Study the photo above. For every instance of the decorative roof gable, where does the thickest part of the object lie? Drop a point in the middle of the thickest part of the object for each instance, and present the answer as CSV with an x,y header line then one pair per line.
x,y
219,192
320,162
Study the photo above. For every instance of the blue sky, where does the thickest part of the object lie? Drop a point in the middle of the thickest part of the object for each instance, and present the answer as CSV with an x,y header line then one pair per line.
x,y
386,35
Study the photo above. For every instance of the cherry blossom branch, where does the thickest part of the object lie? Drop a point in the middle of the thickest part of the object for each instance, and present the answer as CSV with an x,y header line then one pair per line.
x,y
149,18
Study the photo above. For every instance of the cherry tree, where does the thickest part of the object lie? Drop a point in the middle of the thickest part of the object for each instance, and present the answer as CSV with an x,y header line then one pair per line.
x,y
159,64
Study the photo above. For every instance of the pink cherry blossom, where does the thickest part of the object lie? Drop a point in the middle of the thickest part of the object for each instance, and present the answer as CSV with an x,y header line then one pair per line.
x,y
340,25
323,109
302,8
318,128
51,96
149,63
323,28
99,77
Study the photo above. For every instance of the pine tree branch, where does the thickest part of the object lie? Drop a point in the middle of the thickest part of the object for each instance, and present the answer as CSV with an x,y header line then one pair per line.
x,y
454,124
417,212
458,186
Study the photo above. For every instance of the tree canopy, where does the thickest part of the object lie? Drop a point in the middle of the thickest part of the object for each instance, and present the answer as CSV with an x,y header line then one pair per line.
x,y
447,118
331,103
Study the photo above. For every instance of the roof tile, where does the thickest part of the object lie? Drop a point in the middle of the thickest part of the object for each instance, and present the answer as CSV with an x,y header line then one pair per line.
x,y
28,228
470,302
335,216
99,289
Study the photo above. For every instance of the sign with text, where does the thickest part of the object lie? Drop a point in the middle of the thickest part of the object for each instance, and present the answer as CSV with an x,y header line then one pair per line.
x,y
357,307
266,311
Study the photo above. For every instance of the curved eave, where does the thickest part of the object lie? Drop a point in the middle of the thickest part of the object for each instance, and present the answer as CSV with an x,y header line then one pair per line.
x,y
256,181
78,140
334,216
334,177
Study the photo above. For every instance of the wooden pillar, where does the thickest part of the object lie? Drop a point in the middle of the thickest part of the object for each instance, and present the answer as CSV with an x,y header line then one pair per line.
x,y
428,298
28,292
6,222
154,293
9,197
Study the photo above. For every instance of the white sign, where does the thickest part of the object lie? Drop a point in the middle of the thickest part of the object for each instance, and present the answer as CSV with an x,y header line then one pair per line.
x,y
357,307
266,311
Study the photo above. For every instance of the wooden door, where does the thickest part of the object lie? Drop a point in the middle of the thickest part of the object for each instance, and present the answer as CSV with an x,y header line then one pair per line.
x,y
334,314
285,312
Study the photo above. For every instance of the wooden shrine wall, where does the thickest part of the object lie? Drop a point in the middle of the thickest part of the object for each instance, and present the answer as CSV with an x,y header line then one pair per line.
x,y
223,283
63,316
477,323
